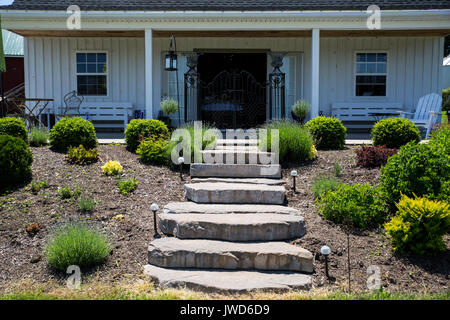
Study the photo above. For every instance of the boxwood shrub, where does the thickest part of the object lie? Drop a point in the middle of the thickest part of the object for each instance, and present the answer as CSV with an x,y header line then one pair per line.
x,y
71,132
15,161
394,132
441,138
328,132
13,127
140,129
153,151
418,169
295,142
358,205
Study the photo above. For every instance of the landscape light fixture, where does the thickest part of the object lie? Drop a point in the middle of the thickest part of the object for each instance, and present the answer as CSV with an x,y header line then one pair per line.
x,y
325,251
294,175
180,162
155,208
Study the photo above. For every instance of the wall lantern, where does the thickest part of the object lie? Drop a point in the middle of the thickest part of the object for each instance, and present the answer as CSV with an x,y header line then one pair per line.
x,y
171,56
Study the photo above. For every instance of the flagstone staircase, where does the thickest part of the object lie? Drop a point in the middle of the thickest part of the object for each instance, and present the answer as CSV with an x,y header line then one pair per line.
x,y
231,235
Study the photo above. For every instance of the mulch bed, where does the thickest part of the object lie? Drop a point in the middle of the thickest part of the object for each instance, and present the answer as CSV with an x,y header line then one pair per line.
x,y
21,255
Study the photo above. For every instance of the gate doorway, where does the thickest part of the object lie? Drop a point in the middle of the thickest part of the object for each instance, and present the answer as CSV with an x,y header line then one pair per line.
x,y
232,89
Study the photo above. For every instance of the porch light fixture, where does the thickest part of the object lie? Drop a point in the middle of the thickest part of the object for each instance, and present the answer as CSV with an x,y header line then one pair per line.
x,y
155,208
294,175
325,251
171,56
180,162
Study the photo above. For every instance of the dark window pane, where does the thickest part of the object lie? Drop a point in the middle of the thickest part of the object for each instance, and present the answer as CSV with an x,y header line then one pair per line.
x,y
101,68
361,57
81,57
91,68
101,57
381,57
91,57
371,57
92,85
380,79
381,68
81,68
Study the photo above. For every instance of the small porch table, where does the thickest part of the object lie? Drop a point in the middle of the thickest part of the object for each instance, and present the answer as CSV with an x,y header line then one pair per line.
x,y
31,109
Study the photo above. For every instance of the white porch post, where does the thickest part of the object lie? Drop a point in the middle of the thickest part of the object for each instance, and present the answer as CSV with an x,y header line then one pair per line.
x,y
149,73
315,57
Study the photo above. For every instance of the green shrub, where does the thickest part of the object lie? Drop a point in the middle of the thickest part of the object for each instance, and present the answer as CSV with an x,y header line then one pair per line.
x,y
446,99
39,137
328,132
169,106
301,109
358,205
127,186
295,144
394,132
15,161
190,128
86,204
419,225
337,169
441,138
153,151
323,184
13,127
419,169
37,186
76,244
141,129
71,132
80,155
67,193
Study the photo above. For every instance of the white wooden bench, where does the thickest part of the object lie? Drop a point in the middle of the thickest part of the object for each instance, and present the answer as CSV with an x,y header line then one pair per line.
x,y
360,111
107,114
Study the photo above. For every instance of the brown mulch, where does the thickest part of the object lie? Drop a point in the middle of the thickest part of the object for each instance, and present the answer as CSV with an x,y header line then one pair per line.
x,y
21,254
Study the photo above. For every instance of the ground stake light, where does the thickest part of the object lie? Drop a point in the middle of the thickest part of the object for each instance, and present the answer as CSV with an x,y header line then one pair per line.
x,y
155,208
180,162
325,251
294,174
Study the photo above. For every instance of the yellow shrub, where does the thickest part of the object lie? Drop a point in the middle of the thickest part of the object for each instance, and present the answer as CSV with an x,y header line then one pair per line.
x,y
419,225
312,153
112,168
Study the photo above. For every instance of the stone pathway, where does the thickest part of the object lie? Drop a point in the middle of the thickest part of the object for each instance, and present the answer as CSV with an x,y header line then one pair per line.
x,y
231,236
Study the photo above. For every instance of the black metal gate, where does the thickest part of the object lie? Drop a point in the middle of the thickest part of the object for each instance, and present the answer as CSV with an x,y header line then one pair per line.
x,y
234,99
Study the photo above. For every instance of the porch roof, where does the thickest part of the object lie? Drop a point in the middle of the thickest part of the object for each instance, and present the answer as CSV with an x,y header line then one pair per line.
x,y
227,5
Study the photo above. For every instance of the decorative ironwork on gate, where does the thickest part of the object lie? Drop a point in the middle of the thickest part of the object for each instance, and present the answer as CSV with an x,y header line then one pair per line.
x,y
234,99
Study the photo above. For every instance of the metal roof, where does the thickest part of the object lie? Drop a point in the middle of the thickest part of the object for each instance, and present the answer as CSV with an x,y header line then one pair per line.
x,y
12,44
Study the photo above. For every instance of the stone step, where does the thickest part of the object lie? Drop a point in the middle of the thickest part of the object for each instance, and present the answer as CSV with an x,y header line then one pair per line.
x,y
201,208
236,157
270,182
237,142
226,281
235,170
236,148
205,254
232,227
209,192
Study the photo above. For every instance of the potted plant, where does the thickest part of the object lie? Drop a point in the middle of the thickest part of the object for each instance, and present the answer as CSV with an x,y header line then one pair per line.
x,y
300,109
169,106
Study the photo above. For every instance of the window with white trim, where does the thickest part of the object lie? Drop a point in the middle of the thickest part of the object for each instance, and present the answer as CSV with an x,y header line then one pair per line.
x,y
92,73
371,74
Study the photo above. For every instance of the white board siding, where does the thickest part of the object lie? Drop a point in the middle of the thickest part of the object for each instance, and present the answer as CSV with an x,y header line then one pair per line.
x,y
414,66
50,68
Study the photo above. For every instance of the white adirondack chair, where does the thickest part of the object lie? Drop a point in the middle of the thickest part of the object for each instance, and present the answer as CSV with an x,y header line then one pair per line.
x,y
427,112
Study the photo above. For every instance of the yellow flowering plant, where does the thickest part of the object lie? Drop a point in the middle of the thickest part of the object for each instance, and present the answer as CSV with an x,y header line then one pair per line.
x,y
112,168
